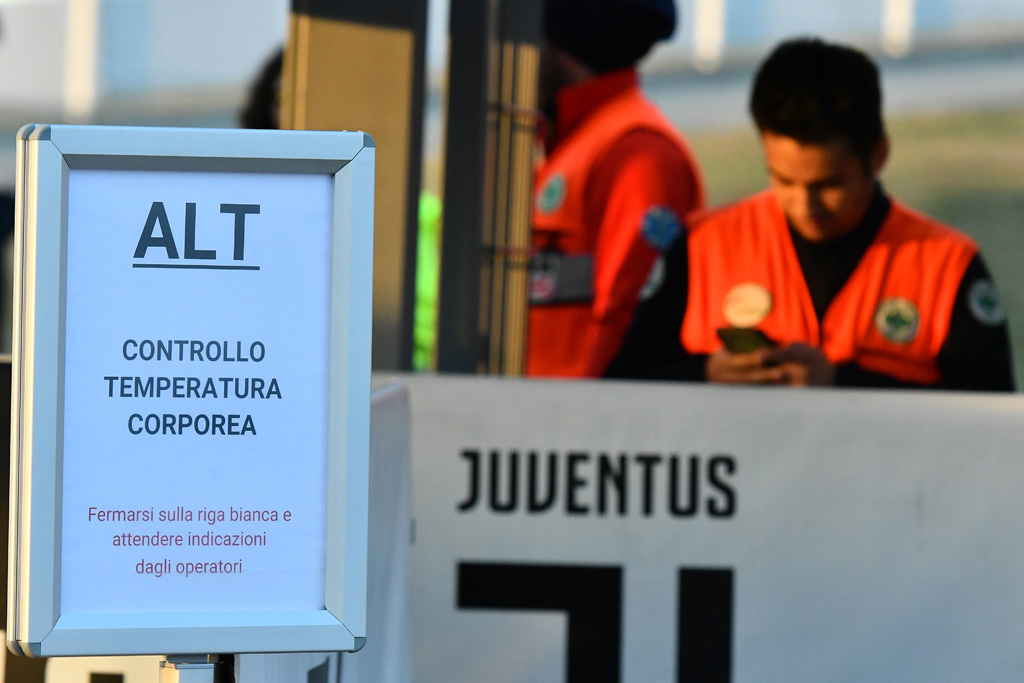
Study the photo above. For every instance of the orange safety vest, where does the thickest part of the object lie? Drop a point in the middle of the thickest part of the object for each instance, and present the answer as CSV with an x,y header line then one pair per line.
x,y
562,284
890,317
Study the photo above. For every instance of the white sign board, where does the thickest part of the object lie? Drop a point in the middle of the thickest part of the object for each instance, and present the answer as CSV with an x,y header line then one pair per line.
x,y
192,391
601,531
209,386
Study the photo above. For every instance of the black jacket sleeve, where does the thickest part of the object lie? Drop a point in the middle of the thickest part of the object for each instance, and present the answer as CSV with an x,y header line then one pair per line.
x,y
976,355
652,348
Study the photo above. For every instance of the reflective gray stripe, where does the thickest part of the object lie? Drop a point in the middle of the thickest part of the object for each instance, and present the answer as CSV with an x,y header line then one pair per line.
x,y
570,278
576,279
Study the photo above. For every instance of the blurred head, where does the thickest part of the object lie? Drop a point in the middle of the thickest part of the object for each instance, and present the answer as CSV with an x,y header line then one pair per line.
x,y
818,108
263,107
608,34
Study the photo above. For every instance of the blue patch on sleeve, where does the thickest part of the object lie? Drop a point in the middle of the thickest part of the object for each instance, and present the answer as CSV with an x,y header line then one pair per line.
x,y
660,227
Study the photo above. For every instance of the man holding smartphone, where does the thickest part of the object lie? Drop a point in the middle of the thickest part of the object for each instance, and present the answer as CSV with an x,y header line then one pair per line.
x,y
823,278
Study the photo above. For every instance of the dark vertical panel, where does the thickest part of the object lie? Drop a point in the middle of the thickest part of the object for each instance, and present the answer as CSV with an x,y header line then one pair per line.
x,y
521,21
386,13
318,674
5,437
590,596
106,678
224,669
417,13
705,626
17,669
471,31
491,124
24,669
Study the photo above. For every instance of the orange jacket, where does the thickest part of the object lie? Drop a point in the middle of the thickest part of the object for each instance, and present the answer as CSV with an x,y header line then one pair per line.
x,y
594,248
891,317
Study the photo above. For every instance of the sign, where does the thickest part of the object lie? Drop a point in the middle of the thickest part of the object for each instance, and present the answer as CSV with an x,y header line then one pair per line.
x,y
218,375
192,391
605,532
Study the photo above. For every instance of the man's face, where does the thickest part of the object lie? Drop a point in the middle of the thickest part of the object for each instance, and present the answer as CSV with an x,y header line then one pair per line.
x,y
824,189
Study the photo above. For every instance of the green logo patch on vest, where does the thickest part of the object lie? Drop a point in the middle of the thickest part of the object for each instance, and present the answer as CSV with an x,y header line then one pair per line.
x,y
898,319
552,196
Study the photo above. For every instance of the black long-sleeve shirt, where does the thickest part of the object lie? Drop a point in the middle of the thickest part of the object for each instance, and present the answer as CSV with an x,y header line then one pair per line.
x,y
975,355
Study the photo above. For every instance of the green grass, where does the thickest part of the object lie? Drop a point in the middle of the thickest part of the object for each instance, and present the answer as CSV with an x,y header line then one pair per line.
x,y
966,170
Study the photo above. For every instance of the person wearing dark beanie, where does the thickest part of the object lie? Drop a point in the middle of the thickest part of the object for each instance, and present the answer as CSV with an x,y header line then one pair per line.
x,y
610,195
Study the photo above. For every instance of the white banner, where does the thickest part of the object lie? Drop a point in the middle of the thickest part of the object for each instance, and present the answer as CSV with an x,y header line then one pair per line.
x,y
581,531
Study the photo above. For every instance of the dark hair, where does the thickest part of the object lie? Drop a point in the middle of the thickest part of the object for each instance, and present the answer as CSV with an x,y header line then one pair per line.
x,y
815,92
263,95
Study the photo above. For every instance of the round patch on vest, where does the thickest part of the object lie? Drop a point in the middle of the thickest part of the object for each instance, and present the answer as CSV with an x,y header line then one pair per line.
x,y
552,196
898,319
747,305
985,304
660,227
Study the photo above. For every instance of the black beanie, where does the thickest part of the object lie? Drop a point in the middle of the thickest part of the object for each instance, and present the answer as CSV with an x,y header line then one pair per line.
x,y
608,34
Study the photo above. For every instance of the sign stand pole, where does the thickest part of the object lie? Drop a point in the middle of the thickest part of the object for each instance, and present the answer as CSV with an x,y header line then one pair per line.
x,y
187,669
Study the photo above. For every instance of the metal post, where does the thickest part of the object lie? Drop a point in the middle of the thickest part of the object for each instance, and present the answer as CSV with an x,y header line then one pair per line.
x,y
493,74
359,65
897,27
187,669
81,72
708,34
465,173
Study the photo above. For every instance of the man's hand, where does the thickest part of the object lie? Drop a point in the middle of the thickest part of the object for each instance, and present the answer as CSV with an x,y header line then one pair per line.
x,y
802,366
793,365
743,368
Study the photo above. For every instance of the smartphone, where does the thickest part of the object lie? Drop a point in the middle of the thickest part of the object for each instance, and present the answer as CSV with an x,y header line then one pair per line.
x,y
743,339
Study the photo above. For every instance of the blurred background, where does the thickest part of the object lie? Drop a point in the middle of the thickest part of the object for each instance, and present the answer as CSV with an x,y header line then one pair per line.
x,y
953,75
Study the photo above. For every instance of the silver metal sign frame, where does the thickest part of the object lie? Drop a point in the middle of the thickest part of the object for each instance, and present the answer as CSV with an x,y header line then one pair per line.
x,y
46,155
